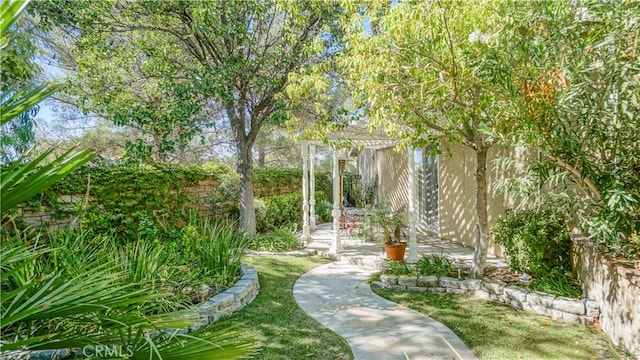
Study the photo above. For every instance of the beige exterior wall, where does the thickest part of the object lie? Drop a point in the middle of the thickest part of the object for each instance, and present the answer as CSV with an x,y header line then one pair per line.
x,y
392,178
457,189
458,195
367,168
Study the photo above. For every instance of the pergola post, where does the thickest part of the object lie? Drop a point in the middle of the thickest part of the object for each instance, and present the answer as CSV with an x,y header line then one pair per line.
x,y
413,244
305,192
336,245
312,187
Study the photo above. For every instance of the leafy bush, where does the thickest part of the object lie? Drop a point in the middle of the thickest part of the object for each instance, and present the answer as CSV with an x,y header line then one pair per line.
x,y
269,182
156,199
205,258
557,282
281,210
399,268
324,210
281,239
535,241
434,264
216,250
78,287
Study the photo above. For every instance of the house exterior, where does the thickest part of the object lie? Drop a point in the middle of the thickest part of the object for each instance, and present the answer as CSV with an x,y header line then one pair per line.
x,y
446,189
437,192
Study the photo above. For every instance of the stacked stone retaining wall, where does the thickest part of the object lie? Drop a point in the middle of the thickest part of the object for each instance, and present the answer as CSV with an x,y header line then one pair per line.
x,y
615,285
574,310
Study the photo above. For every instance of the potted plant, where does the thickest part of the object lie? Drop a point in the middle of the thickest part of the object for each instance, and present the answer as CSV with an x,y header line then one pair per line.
x,y
391,237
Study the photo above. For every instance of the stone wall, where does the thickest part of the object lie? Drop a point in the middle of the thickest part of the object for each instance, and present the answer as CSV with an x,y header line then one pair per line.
x,y
51,220
574,310
615,286
199,200
243,292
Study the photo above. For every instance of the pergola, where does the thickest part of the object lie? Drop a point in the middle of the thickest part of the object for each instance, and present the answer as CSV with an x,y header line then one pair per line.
x,y
351,136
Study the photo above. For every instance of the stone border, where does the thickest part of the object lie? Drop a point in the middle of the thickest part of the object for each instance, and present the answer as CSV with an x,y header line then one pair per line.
x,y
557,307
221,305
233,299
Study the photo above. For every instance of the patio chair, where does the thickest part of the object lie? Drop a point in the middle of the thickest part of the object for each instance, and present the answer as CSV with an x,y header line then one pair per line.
x,y
351,221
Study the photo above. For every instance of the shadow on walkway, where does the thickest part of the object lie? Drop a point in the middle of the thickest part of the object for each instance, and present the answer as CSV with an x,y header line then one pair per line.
x,y
369,254
339,297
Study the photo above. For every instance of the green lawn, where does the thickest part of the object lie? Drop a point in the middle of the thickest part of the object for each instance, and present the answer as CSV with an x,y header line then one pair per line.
x,y
492,330
497,331
284,330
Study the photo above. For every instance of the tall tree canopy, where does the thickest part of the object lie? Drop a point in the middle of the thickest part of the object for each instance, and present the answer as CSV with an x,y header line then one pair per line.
x,y
573,73
559,77
158,63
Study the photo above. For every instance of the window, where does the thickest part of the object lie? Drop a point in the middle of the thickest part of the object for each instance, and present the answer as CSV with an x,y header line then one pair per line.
x,y
428,204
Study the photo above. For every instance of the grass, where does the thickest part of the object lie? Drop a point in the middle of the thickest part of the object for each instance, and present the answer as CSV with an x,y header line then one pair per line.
x,y
284,330
497,331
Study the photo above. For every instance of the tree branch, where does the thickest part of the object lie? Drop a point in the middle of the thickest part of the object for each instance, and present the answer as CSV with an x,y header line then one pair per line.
x,y
454,70
595,194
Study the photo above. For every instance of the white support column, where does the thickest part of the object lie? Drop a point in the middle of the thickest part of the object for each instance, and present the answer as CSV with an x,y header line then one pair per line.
x,y
413,244
336,245
312,187
305,192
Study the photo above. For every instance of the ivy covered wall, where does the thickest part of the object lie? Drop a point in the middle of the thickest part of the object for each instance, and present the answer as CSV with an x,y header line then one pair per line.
x,y
127,200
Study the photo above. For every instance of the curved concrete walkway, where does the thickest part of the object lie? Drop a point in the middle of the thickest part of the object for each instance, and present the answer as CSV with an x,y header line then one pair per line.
x,y
339,297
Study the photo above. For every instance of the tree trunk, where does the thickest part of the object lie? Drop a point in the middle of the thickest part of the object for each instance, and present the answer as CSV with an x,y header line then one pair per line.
x,y
482,240
244,167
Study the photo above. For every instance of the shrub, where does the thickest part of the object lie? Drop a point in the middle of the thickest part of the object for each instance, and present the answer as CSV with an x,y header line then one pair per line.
x,y
535,241
434,264
82,289
153,200
281,210
557,282
216,249
269,181
324,210
399,268
204,255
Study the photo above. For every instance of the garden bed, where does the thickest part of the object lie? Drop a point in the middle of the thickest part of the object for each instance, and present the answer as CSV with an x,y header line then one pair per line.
x,y
215,308
574,310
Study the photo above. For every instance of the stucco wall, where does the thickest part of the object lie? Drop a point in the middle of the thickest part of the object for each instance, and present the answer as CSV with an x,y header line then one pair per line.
x,y
392,178
457,189
458,194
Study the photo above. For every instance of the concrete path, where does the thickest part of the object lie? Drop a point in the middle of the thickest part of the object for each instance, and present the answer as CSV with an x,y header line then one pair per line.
x,y
369,254
339,297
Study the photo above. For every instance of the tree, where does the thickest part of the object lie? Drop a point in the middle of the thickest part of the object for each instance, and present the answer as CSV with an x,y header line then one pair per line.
x,y
90,307
572,73
274,147
236,55
418,69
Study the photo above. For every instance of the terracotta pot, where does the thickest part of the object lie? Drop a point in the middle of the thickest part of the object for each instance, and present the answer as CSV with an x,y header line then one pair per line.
x,y
395,251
